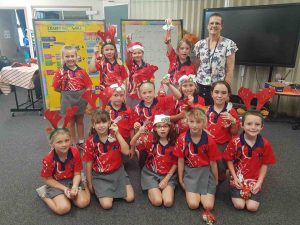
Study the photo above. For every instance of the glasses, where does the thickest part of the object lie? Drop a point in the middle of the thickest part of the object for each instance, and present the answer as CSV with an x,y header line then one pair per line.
x,y
162,127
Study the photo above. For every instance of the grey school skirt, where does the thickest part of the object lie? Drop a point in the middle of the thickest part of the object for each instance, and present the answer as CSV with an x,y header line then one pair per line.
x,y
199,180
72,98
52,192
150,179
112,184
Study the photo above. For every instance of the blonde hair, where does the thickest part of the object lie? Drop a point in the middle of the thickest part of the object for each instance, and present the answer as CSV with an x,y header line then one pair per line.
x,y
59,131
198,114
67,48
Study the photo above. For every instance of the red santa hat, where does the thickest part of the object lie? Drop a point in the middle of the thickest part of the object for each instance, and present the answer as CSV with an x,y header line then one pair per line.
x,y
135,45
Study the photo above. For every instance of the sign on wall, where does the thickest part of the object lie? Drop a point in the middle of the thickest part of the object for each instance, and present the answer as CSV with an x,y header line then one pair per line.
x,y
50,37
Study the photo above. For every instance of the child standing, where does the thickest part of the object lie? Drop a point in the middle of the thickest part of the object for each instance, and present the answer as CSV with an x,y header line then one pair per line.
x,y
121,114
248,157
61,172
105,60
189,97
197,153
223,120
137,67
180,62
105,171
158,176
72,81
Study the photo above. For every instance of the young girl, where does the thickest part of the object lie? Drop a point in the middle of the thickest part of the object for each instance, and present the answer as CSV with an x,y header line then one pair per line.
x,y
223,120
150,105
180,62
104,168
189,97
61,172
158,175
137,67
105,60
197,153
119,111
72,81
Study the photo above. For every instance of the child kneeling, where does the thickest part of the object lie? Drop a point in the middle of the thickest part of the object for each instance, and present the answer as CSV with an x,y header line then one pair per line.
x,y
104,168
61,172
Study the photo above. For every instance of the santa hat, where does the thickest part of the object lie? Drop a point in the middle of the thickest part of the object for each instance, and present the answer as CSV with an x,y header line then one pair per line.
x,y
108,37
135,45
161,119
184,78
118,87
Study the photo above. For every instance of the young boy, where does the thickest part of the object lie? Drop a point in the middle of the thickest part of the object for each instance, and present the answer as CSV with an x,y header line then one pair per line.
x,y
248,157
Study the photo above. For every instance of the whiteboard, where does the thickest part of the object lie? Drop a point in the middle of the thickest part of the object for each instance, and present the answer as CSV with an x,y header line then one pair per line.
x,y
152,36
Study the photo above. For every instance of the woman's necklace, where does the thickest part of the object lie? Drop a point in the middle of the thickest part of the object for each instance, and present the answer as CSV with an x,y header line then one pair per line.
x,y
211,55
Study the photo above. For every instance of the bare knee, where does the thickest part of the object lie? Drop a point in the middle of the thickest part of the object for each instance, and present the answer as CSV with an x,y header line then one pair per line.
x,y
63,208
208,205
252,207
168,202
193,204
238,203
106,204
83,203
156,201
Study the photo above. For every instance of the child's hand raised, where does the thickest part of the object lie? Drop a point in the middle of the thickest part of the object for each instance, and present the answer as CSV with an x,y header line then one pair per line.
x,y
114,127
136,125
168,21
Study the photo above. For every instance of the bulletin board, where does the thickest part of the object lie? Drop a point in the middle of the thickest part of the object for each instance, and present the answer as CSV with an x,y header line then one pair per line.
x,y
152,36
50,37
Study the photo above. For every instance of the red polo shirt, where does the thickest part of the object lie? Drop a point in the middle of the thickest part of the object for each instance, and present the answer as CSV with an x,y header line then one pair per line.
x,y
66,79
177,69
106,156
53,167
218,128
160,158
125,125
248,160
111,73
160,105
196,154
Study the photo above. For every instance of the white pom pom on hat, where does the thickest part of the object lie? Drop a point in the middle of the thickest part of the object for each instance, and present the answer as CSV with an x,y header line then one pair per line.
x,y
161,119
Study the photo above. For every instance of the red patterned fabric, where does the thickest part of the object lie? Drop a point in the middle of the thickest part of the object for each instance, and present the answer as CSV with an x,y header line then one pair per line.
x,y
106,156
71,80
196,155
177,69
247,161
53,167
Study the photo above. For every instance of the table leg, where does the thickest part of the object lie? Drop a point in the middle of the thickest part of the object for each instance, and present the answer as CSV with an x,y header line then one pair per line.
x,y
277,106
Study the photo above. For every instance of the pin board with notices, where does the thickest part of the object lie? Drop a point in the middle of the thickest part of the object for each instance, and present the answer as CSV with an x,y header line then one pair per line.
x,y
50,37
151,34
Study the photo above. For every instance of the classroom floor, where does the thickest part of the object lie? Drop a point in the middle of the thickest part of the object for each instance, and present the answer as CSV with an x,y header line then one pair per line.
x,y
23,143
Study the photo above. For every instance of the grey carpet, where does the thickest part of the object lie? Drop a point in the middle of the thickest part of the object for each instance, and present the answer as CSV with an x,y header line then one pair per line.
x,y
23,143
